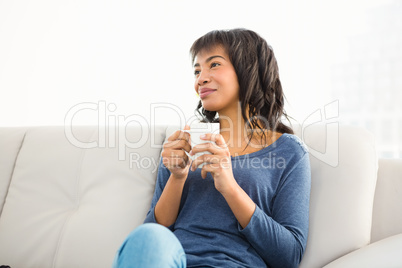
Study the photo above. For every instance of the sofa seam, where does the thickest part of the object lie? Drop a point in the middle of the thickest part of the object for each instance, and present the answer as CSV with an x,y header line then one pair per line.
x,y
377,167
73,211
12,172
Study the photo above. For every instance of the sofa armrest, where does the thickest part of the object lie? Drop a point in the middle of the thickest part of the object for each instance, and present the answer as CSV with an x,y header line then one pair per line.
x,y
387,216
384,253
11,140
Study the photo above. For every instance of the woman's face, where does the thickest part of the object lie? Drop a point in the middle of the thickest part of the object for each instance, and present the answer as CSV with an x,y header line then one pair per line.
x,y
216,81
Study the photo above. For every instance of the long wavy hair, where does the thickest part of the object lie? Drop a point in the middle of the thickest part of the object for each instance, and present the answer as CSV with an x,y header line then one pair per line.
x,y
258,77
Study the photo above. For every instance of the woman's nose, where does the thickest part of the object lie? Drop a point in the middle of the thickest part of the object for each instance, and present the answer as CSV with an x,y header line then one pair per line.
x,y
203,78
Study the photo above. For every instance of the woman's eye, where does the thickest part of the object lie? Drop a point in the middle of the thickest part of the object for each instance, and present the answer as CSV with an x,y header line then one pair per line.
x,y
214,64
196,72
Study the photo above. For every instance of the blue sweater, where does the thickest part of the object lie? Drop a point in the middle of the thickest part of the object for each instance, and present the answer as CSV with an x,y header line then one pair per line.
x,y
277,178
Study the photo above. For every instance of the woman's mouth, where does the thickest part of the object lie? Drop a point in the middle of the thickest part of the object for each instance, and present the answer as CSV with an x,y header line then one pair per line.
x,y
203,92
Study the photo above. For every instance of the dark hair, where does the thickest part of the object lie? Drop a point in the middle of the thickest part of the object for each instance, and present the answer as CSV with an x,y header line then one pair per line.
x,y
258,76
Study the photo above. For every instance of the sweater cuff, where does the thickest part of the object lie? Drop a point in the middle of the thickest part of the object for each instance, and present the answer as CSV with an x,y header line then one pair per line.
x,y
150,218
245,231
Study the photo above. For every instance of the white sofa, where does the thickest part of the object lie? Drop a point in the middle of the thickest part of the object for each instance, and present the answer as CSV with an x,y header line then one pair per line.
x,y
70,195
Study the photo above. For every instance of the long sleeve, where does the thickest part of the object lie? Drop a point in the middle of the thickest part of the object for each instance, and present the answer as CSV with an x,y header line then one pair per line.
x,y
280,238
161,180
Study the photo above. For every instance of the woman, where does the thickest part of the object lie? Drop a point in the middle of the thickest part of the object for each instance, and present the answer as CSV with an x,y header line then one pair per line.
x,y
248,205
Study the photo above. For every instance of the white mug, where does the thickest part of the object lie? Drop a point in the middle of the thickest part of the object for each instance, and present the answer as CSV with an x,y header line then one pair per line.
x,y
198,129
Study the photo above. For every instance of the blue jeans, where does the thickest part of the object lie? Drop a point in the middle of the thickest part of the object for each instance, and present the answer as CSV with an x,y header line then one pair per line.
x,y
150,245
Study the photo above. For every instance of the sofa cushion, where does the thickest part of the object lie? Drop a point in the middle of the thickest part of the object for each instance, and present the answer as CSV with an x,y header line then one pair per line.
x,y
344,167
383,253
72,207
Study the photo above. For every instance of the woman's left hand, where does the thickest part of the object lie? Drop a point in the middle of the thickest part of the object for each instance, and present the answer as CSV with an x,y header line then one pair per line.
x,y
218,163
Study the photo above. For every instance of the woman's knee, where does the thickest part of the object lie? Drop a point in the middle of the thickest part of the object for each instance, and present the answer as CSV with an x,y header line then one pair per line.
x,y
154,242
150,233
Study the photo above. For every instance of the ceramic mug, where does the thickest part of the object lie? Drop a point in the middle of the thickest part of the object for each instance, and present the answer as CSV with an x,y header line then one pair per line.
x,y
198,129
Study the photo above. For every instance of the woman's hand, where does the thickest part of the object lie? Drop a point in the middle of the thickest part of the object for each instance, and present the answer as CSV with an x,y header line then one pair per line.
x,y
174,156
218,163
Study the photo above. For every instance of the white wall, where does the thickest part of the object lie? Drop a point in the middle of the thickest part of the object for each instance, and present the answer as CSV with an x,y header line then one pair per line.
x,y
55,55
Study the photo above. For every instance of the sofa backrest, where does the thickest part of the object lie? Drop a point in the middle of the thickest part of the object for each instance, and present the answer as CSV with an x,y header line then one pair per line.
x,y
387,210
67,206
10,145
344,170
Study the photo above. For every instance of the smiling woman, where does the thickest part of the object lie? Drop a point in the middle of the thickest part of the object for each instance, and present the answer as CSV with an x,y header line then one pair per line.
x,y
247,206
242,68
216,80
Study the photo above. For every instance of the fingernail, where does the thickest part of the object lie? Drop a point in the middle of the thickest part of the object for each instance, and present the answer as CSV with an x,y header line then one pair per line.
x,y
203,136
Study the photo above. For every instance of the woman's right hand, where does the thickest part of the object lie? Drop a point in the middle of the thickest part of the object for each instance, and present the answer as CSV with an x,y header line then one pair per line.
x,y
174,156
